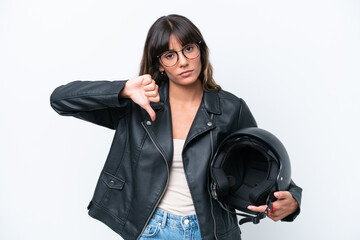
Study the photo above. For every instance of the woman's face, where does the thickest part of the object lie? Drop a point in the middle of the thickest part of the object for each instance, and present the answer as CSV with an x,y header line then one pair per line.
x,y
186,71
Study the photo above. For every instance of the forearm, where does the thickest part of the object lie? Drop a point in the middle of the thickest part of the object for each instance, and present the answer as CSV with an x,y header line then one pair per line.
x,y
94,101
80,96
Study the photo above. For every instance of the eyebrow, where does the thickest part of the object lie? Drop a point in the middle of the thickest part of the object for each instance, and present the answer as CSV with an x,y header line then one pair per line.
x,y
180,49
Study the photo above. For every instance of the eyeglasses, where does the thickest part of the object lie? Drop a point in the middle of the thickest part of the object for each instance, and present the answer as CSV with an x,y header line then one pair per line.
x,y
170,58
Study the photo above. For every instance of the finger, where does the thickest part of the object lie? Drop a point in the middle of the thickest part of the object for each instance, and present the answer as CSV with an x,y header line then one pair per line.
x,y
282,194
151,86
261,208
154,99
274,213
146,80
151,93
274,218
150,111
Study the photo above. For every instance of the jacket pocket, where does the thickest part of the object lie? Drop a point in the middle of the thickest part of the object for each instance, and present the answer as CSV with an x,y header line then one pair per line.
x,y
111,181
116,197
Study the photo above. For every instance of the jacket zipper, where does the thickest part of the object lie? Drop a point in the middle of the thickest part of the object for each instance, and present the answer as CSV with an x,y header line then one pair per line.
x,y
167,180
212,154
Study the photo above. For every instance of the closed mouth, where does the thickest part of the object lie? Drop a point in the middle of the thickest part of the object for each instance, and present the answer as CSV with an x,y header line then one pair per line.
x,y
186,72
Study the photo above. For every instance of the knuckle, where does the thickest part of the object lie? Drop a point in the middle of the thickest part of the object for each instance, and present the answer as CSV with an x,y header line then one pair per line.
x,y
147,79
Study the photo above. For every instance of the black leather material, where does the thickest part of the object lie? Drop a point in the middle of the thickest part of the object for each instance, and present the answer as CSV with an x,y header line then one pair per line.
x,y
141,154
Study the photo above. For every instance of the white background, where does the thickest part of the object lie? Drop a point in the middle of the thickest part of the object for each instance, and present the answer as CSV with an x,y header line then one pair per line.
x,y
296,64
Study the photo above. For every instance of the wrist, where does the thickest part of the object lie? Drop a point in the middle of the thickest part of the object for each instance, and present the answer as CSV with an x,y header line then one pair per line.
x,y
124,93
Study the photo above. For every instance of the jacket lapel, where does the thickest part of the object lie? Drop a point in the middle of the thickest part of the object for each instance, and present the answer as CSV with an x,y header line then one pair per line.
x,y
161,128
204,120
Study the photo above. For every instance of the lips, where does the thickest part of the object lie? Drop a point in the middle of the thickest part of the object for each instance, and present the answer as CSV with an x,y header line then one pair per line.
x,y
186,73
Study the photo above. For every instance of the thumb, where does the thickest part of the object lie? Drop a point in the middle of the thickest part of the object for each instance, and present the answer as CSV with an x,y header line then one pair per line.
x,y
281,194
150,111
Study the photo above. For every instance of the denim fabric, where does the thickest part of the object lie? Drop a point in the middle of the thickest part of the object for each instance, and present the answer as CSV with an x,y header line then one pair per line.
x,y
164,225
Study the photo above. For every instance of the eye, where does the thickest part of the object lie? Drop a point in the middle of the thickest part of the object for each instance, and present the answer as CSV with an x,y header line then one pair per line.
x,y
189,48
169,55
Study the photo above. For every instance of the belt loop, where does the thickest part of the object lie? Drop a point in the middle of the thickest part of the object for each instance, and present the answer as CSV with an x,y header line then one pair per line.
x,y
163,224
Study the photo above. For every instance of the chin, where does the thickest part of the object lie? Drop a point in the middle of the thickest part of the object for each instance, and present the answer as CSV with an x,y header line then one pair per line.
x,y
186,81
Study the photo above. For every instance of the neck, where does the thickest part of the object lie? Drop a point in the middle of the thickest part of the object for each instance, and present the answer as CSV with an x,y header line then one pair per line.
x,y
185,94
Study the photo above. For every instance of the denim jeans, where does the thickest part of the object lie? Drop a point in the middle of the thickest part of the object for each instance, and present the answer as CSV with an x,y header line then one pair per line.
x,y
164,225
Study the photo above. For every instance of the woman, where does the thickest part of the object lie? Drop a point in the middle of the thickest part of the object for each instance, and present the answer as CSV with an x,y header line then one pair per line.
x,y
168,121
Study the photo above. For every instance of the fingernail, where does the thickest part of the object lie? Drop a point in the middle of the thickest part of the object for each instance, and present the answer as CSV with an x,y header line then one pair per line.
x,y
276,194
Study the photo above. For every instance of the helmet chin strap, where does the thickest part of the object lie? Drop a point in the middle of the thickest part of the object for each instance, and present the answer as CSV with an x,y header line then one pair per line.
x,y
256,219
248,217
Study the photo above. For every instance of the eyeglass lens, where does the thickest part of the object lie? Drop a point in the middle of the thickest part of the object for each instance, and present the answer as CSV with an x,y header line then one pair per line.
x,y
170,58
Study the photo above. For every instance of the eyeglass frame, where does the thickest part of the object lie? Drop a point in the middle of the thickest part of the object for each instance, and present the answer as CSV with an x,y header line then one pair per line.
x,y
177,55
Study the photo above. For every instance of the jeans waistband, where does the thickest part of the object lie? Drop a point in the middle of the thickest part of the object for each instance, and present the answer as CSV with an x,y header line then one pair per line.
x,y
166,218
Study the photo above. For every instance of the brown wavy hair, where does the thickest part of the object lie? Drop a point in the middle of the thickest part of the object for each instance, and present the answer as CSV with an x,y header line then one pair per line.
x,y
157,42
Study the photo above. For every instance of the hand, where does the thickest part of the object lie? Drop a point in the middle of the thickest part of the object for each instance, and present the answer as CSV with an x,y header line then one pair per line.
x,y
283,207
142,90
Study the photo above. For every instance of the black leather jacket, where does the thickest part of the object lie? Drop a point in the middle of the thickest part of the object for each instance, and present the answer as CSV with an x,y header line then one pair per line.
x,y
136,172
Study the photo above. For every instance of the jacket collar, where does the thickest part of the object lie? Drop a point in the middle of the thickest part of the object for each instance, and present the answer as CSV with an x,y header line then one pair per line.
x,y
211,101
161,129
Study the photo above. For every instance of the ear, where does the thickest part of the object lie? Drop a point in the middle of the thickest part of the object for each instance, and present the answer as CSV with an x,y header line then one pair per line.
x,y
161,68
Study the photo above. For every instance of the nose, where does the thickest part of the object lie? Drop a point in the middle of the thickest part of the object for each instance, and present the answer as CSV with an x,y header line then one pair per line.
x,y
183,61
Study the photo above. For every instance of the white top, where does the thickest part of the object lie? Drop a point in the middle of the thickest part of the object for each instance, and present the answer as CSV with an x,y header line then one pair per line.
x,y
177,199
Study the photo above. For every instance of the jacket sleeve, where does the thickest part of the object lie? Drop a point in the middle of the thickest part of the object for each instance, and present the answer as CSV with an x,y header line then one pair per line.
x,y
94,101
246,119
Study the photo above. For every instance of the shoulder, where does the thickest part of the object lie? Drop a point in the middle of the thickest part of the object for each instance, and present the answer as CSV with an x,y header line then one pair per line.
x,y
229,97
232,104
221,101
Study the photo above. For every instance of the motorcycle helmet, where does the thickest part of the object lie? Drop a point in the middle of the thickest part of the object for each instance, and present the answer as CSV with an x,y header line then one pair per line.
x,y
247,168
